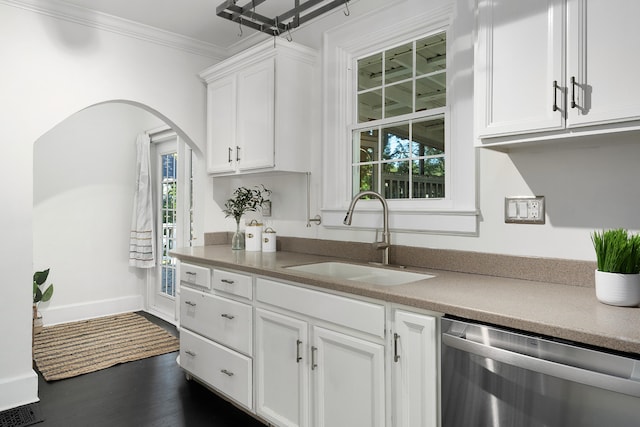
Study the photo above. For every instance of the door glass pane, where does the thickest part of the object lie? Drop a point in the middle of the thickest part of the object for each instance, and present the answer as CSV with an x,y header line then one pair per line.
x,y
398,63
169,225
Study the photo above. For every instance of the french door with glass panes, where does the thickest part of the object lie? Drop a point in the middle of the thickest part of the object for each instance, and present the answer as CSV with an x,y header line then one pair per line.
x,y
171,163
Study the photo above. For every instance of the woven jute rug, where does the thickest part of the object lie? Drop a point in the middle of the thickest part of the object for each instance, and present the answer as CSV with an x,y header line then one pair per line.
x,y
71,349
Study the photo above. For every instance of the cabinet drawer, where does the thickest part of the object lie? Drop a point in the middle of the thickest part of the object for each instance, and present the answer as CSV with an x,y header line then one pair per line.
x,y
359,315
221,368
232,283
220,319
193,275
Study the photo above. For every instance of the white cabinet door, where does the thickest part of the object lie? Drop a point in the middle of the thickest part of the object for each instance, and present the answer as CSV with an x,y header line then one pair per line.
x,y
603,55
348,375
221,125
414,370
256,117
282,372
519,55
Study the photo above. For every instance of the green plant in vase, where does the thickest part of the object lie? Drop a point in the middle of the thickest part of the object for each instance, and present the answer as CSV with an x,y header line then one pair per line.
x,y
618,273
41,293
242,201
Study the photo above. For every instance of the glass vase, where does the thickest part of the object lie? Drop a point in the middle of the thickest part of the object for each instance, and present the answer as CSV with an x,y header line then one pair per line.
x,y
237,241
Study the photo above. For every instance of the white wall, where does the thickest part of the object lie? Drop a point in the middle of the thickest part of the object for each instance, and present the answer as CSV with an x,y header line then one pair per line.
x,y
589,183
83,185
51,69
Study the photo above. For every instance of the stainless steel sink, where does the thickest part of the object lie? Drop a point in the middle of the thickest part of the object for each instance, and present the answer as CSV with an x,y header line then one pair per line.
x,y
361,273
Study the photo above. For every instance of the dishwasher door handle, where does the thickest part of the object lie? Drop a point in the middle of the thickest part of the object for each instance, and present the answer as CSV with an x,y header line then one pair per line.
x,y
547,367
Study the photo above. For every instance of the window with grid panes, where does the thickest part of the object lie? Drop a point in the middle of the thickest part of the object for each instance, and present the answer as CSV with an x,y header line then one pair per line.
x,y
399,136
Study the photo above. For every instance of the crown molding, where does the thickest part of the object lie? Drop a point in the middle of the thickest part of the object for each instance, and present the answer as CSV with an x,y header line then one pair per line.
x,y
102,21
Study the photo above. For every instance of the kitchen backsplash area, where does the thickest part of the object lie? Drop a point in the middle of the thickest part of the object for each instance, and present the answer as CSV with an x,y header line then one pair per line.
x,y
549,270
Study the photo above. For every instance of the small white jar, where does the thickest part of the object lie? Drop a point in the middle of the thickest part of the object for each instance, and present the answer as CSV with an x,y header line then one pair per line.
x,y
253,236
269,240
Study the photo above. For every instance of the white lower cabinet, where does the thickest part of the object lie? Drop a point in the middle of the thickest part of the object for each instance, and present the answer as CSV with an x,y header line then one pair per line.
x,y
414,368
226,370
282,369
313,366
345,372
317,359
348,378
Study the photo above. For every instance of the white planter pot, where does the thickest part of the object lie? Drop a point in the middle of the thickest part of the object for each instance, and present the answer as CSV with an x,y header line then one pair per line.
x,y
618,289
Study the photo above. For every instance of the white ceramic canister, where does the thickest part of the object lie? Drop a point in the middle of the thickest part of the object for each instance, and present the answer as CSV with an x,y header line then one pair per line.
x,y
269,240
253,236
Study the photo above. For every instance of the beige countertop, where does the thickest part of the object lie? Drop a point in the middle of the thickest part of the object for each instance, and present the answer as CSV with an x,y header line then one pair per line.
x,y
562,311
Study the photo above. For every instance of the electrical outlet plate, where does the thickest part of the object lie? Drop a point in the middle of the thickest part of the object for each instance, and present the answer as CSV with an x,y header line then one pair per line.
x,y
524,210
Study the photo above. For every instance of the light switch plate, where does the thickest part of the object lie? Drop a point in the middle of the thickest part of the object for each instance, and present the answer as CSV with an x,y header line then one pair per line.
x,y
524,210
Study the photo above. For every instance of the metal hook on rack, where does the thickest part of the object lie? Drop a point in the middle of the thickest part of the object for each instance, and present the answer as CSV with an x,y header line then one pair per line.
x,y
288,36
346,5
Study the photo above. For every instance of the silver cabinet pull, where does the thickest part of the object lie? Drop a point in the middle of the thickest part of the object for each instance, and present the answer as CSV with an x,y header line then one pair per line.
x,y
555,95
227,316
229,157
396,356
237,153
192,304
190,273
573,92
231,282
314,365
298,357
190,353
227,373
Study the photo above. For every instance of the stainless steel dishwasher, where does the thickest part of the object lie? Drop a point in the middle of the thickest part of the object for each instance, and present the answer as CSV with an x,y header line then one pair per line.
x,y
492,377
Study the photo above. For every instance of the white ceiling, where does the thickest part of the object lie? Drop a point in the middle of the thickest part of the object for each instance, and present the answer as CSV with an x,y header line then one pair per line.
x,y
197,19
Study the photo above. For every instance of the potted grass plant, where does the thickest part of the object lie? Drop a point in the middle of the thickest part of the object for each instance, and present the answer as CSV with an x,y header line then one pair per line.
x,y
618,274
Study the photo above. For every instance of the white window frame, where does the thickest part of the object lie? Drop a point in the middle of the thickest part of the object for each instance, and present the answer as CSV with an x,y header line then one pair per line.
x,y
456,213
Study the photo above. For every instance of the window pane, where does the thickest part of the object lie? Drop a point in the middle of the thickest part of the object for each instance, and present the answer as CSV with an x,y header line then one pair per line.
x,y
365,177
365,146
370,106
395,142
395,178
398,99
428,136
431,91
431,54
428,178
370,72
398,63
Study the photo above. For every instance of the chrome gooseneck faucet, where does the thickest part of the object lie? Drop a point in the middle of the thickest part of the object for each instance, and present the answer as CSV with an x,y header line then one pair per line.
x,y
386,236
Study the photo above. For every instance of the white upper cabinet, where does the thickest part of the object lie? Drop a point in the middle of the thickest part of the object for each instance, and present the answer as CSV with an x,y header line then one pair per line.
x,y
518,57
555,68
260,109
603,56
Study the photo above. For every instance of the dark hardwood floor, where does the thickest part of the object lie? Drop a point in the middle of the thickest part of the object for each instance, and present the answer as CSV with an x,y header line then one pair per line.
x,y
148,392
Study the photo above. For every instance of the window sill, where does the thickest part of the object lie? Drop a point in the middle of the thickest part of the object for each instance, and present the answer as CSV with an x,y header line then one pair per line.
x,y
454,222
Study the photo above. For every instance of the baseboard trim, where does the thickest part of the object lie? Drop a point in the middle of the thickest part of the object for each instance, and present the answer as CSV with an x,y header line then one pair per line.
x,y
18,390
83,311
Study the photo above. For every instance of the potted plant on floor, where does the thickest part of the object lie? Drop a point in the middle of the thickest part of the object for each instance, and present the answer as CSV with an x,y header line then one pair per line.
x,y
41,293
244,200
618,273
